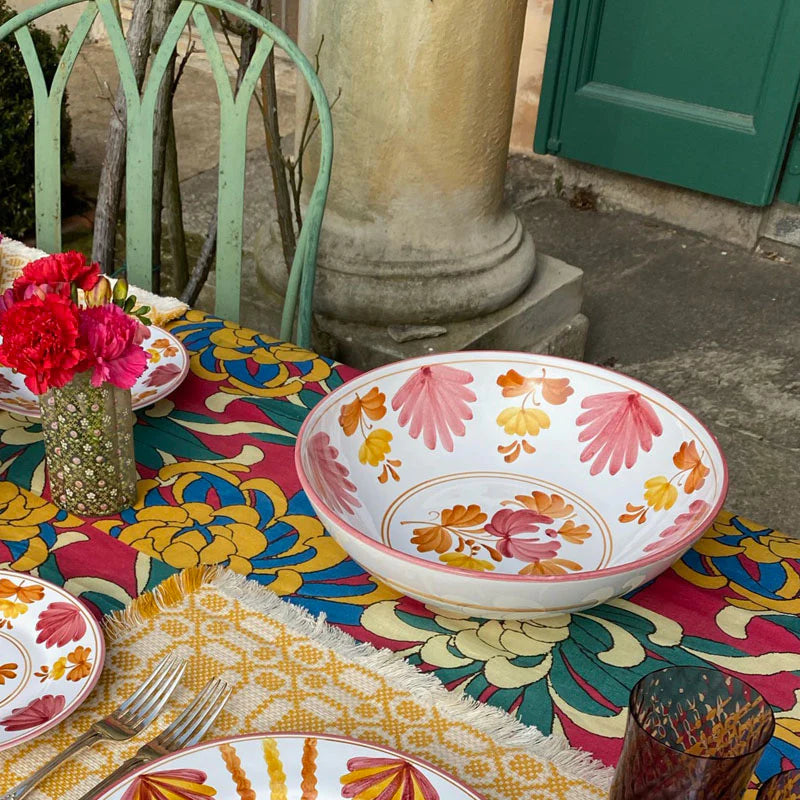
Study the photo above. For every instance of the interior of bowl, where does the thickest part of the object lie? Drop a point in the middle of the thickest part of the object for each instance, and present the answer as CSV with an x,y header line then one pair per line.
x,y
512,463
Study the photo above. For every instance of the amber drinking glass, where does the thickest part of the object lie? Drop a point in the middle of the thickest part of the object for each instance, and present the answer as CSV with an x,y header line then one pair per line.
x,y
783,786
692,734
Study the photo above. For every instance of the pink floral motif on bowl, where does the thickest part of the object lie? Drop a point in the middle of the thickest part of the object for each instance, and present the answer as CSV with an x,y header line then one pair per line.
x,y
509,484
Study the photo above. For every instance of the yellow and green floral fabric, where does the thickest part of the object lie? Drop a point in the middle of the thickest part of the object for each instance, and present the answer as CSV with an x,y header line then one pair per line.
x,y
218,486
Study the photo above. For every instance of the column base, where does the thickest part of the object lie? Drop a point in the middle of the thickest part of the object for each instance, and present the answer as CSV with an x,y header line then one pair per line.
x,y
546,318
360,277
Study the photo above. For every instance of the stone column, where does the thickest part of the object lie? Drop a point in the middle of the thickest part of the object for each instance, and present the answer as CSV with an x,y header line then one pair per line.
x,y
416,231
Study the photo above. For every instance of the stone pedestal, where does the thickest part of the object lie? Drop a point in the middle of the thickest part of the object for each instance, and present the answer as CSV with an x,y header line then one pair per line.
x,y
545,318
416,231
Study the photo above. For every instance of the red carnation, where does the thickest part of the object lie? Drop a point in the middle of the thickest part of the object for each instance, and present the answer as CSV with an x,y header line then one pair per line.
x,y
59,270
40,340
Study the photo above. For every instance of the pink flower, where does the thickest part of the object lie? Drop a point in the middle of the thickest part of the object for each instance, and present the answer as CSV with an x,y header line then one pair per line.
x,y
508,523
163,374
684,524
619,423
434,400
171,784
330,476
115,347
385,779
59,624
36,713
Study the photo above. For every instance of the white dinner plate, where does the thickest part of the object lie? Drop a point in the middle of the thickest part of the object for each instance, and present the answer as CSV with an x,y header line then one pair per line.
x,y
51,655
166,369
290,765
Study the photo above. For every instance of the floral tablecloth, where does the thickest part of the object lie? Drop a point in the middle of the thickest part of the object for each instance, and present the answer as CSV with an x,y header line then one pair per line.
x,y
218,486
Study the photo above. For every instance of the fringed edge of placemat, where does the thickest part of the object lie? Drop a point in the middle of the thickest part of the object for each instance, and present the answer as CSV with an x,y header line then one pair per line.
x,y
489,720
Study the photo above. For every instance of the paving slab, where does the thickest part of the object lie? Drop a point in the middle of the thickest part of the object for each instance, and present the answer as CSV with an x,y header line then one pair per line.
x,y
714,326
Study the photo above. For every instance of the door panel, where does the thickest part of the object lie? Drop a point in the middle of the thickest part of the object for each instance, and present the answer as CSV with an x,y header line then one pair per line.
x,y
699,93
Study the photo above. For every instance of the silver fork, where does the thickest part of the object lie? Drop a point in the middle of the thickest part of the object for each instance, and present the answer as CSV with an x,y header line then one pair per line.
x,y
187,729
132,717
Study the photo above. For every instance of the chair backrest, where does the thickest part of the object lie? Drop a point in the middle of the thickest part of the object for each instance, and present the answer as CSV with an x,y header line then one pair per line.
x,y
141,107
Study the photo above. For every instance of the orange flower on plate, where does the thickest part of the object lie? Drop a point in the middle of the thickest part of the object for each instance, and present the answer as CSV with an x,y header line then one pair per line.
x,y
551,505
8,672
372,405
463,517
167,348
79,657
514,385
555,391
436,537
637,513
688,459
552,566
660,493
25,594
466,520
574,534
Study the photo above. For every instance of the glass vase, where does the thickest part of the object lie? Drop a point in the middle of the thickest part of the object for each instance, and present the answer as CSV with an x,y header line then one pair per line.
x,y
88,438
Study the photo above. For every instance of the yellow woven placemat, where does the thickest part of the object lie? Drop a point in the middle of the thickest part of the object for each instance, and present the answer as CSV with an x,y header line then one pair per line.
x,y
293,672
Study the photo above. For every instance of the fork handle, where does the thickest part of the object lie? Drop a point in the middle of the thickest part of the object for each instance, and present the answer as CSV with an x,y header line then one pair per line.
x,y
120,772
24,788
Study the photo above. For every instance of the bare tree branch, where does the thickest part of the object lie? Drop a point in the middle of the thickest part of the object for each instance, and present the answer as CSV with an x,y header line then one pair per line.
x,y
112,174
277,163
163,12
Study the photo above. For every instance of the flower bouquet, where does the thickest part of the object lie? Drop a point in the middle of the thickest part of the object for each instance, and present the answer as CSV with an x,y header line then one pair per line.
x,y
78,344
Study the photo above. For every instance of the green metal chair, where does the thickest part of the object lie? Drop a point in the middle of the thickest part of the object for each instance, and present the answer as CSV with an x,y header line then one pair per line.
x,y
139,148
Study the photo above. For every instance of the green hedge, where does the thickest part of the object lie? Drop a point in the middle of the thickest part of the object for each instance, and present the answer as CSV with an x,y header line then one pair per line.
x,y
17,216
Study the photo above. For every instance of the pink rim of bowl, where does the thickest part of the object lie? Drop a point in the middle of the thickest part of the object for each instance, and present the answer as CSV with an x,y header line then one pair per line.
x,y
660,555
330,737
100,659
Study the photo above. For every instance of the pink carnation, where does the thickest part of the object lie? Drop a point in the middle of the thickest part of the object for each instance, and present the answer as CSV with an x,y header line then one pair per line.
x,y
114,341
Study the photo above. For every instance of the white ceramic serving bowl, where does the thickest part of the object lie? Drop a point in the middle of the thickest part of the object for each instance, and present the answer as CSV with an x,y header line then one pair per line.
x,y
509,485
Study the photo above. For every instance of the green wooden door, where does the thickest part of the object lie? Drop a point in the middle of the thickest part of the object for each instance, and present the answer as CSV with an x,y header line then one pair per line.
x,y
698,93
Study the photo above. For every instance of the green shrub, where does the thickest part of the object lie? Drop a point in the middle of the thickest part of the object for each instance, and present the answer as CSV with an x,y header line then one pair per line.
x,y
17,217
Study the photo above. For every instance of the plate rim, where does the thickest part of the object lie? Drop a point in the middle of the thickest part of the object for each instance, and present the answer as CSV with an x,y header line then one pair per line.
x,y
100,659
184,370
135,406
466,790
658,556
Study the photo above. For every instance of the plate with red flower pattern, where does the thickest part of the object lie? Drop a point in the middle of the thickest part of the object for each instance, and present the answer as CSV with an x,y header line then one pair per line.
x,y
51,655
291,765
166,369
